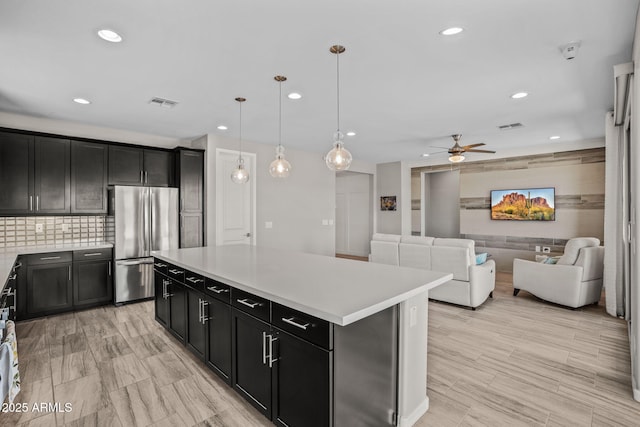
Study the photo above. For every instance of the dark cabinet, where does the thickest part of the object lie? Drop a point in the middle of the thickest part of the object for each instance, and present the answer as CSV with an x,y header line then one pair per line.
x,y
251,363
89,173
177,309
218,354
126,165
16,173
161,284
190,181
158,168
35,174
49,284
138,166
92,278
52,175
301,382
197,323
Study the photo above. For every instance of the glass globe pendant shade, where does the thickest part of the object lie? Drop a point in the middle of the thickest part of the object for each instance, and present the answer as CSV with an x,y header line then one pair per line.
x,y
339,158
280,167
456,158
240,175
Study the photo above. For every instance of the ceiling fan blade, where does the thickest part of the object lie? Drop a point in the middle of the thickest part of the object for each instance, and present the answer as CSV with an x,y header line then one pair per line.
x,y
466,147
479,151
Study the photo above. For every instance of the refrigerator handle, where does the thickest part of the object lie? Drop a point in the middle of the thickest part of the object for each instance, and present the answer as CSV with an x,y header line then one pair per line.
x,y
152,245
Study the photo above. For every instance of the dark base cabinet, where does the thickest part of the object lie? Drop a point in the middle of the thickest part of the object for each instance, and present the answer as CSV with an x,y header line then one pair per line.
x,y
196,319
218,354
49,289
177,310
161,284
92,278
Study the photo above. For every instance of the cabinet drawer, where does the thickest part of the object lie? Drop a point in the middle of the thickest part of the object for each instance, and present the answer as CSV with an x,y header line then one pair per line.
x,y
92,254
194,280
175,272
218,290
252,304
160,266
305,326
49,258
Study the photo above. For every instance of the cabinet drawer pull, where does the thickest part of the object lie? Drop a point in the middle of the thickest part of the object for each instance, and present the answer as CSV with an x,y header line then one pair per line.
x,y
93,254
160,265
174,271
13,276
194,280
296,324
248,303
217,290
49,257
17,266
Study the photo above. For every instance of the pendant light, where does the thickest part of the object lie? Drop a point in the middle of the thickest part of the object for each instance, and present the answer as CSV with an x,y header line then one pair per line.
x,y
339,158
280,167
240,175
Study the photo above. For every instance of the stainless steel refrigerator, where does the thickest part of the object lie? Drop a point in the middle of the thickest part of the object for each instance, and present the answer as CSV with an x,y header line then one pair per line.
x,y
146,219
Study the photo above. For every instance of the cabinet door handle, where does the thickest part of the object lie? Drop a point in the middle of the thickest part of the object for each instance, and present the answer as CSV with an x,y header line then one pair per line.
x,y
69,272
264,348
146,177
217,290
291,321
199,310
37,203
141,180
49,257
271,359
31,203
109,268
194,280
249,304
205,318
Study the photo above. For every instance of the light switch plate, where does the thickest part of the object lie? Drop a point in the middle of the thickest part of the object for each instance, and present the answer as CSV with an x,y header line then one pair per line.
x,y
325,222
538,248
39,228
268,224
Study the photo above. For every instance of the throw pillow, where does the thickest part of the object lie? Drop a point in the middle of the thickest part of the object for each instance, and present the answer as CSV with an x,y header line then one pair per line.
x,y
481,258
552,260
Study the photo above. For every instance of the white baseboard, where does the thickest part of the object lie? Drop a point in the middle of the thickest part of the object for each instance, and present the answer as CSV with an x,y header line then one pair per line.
x,y
412,418
636,394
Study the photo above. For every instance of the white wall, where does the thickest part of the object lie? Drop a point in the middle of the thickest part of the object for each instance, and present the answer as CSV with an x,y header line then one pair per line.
x,y
296,206
354,213
442,207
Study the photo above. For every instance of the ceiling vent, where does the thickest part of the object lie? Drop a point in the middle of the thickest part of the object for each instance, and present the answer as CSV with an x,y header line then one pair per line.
x,y
166,103
511,126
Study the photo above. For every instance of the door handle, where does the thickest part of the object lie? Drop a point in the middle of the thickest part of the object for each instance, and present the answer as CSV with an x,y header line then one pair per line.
x,y
109,268
146,177
37,203
141,180
31,203
217,290
291,321
264,348
199,310
271,359
248,235
204,315
249,304
69,267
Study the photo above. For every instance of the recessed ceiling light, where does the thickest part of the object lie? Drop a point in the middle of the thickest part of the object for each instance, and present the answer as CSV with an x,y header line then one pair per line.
x,y
110,36
519,95
554,137
81,101
222,127
451,31
294,95
351,133
425,155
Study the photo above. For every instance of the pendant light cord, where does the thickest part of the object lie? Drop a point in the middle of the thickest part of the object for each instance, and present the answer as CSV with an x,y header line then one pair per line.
x,y
240,124
338,88
280,118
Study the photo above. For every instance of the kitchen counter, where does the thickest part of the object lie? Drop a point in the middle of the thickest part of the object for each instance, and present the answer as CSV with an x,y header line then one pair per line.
x,y
8,256
338,290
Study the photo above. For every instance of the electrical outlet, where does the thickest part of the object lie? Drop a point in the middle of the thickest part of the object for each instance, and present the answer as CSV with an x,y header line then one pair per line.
x,y
546,249
39,228
537,248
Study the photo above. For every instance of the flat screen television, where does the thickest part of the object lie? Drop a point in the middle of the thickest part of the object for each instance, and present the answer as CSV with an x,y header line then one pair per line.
x,y
529,204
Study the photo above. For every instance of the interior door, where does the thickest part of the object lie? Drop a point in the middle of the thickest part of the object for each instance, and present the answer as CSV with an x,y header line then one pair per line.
x,y
235,203
354,213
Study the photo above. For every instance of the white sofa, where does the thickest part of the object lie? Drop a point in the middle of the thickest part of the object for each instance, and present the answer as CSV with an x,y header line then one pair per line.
x,y
575,280
471,284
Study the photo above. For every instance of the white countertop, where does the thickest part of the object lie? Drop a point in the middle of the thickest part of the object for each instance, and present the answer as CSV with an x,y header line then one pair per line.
x,y
338,290
8,256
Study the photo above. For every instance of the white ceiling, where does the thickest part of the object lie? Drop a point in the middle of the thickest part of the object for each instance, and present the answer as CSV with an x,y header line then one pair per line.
x,y
404,87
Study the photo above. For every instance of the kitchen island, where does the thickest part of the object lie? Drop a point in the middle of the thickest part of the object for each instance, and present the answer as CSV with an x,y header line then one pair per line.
x,y
306,339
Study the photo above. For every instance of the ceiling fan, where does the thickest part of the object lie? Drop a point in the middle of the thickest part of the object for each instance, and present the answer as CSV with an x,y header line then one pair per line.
x,y
456,152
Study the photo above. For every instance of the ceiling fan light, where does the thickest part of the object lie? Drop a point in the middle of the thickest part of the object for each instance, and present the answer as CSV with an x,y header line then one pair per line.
x,y
456,158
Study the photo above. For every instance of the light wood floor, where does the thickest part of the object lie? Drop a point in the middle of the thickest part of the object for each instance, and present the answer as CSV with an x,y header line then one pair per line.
x,y
514,361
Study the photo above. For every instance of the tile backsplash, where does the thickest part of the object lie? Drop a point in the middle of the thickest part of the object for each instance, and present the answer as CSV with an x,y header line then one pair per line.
x,y
54,230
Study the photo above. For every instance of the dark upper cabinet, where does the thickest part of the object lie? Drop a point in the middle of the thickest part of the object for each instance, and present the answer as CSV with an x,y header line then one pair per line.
x,y
35,175
126,165
16,173
191,180
89,173
158,168
138,166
